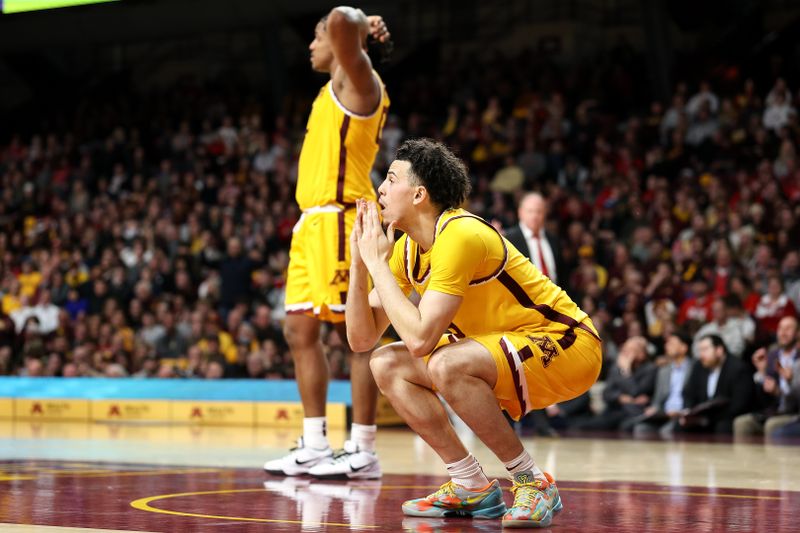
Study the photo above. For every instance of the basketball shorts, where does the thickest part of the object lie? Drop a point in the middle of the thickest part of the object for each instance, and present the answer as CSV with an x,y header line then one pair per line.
x,y
536,369
319,263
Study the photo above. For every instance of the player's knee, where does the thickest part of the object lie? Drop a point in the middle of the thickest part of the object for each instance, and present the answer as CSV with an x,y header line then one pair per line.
x,y
384,365
299,335
444,368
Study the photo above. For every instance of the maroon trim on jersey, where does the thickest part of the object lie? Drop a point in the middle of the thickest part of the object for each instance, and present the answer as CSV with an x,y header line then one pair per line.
x,y
342,236
502,241
568,339
342,159
525,301
460,334
523,402
415,273
406,266
548,312
525,353
498,269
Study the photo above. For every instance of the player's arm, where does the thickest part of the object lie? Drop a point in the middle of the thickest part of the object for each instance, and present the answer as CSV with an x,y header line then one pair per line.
x,y
365,318
419,326
364,315
347,29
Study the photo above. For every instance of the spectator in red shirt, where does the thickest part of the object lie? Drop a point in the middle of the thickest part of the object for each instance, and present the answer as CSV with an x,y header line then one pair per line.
x,y
773,306
741,287
696,310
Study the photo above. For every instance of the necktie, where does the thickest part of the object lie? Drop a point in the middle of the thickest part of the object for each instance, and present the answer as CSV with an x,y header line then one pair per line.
x,y
540,256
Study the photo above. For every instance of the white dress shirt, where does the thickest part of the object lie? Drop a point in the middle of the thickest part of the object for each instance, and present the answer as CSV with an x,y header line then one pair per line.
x,y
540,250
713,379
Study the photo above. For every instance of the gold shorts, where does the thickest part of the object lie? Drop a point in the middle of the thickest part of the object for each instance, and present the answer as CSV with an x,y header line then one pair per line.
x,y
537,369
319,263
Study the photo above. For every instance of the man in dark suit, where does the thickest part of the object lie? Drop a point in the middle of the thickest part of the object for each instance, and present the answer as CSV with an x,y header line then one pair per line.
x,y
720,388
629,387
530,238
773,383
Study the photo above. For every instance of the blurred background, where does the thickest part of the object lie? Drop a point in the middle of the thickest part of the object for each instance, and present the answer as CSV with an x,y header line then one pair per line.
x,y
148,157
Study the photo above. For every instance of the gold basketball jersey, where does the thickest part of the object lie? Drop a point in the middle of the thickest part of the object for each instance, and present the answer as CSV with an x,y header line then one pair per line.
x,y
339,151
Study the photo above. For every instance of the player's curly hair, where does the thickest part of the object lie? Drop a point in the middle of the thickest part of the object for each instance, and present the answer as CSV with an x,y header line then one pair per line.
x,y
437,169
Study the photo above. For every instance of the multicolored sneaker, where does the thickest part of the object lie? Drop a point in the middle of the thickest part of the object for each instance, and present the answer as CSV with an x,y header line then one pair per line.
x,y
454,501
535,501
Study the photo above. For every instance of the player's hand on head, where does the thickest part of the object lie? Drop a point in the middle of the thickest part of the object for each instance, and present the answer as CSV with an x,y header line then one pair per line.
x,y
378,29
374,245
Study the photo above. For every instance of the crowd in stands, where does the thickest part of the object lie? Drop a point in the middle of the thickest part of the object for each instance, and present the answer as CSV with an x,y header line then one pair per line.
x,y
159,247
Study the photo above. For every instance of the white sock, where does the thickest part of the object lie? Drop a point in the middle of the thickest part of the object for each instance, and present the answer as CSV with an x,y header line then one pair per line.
x,y
468,473
524,462
364,436
315,432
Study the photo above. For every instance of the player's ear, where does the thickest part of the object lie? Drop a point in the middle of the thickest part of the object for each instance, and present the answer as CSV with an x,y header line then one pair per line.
x,y
420,193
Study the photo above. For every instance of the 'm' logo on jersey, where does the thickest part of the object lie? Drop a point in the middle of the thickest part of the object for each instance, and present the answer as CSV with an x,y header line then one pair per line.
x,y
342,276
548,347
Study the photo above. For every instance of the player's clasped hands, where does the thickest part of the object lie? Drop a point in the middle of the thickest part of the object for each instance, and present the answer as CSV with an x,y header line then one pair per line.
x,y
368,240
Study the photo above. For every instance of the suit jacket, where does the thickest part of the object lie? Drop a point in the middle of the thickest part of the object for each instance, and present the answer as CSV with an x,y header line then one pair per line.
x,y
515,236
735,385
793,400
640,381
769,404
663,383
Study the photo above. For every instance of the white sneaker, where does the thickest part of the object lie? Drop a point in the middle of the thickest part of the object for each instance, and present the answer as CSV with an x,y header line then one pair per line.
x,y
350,463
299,460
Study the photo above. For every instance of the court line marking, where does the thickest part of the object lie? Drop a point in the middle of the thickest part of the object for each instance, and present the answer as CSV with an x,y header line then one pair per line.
x,y
143,504
623,491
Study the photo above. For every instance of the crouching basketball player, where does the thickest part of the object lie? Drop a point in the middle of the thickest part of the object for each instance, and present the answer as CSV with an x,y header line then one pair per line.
x,y
479,324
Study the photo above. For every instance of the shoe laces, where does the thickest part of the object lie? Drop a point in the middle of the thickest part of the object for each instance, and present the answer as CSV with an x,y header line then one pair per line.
x,y
350,448
448,488
526,493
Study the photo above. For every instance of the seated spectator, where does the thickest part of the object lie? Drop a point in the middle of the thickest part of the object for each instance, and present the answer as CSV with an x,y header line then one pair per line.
x,y
790,272
76,305
696,310
29,279
741,287
256,365
719,389
778,112
629,387
265,327
664,411
47,313
736,331
704,98
773,384
215,369
773,306
171,345
789,427
571,413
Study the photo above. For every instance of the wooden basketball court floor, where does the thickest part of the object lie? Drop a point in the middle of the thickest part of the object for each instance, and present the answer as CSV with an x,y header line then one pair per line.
x,y
69,478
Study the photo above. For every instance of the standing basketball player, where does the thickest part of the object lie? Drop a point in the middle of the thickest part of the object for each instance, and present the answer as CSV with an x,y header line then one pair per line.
x,y
489,332
342,137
